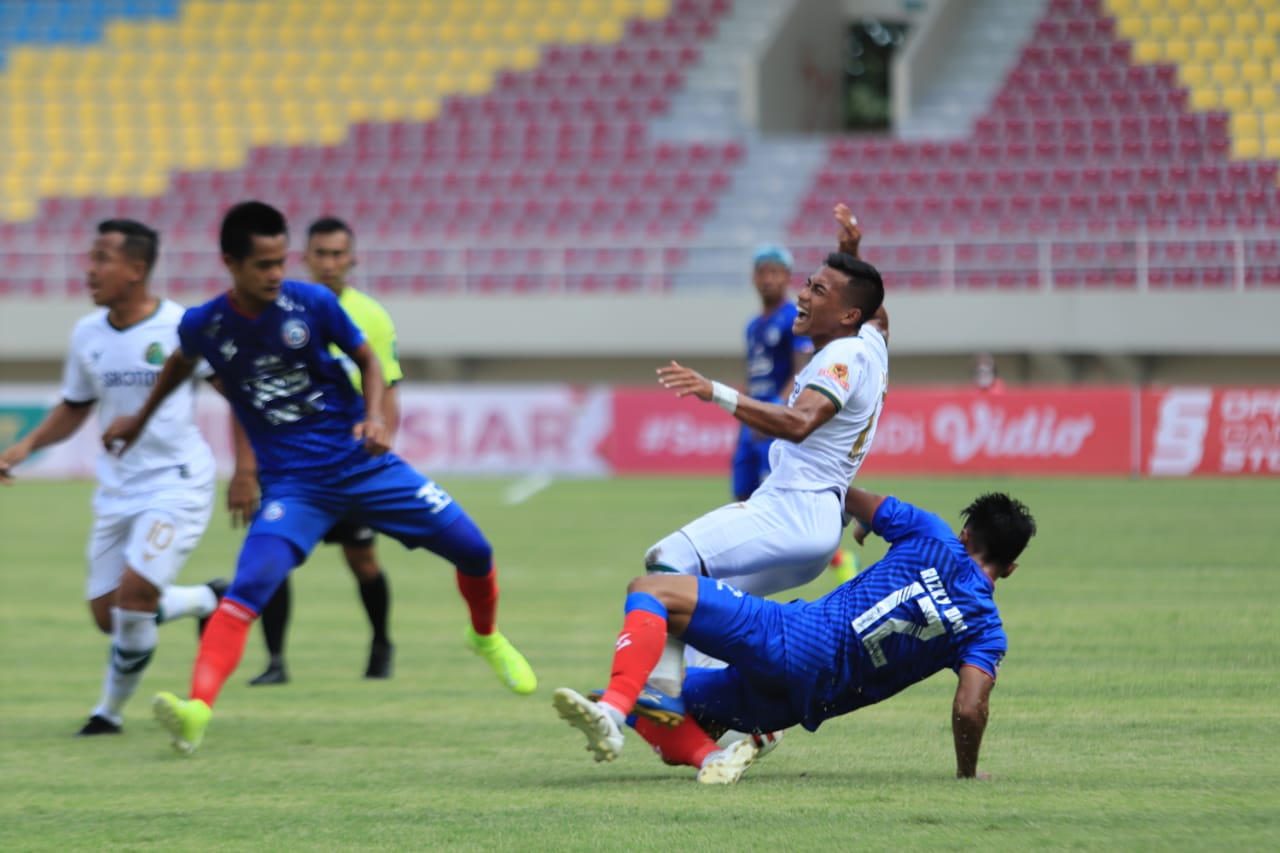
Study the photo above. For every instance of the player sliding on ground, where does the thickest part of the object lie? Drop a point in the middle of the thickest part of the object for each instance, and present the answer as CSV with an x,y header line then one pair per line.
x,y
926,606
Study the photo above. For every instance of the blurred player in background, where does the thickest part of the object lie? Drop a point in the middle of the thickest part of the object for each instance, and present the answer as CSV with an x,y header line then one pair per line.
x,y
329,256
151,508
321,450
985,375
785,534
926,606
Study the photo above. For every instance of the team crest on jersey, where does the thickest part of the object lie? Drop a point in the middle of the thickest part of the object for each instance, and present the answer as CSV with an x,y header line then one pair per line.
x,y
295,334
273,511
154,354
838,372
772,335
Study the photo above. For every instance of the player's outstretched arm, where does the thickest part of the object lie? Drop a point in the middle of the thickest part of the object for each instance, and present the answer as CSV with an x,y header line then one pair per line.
x,y
861,505
793,423
59,424
124,430
969,713
850,234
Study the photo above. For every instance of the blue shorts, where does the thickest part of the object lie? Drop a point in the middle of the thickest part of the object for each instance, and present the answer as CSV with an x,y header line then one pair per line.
x,y
387,495
752,693
750,462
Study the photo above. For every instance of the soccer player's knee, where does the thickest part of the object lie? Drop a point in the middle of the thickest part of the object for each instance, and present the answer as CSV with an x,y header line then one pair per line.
x,y
673,555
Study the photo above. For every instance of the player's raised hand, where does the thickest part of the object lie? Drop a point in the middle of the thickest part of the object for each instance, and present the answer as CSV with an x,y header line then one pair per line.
x,y
376,436
850,233
122,433
684,381
10,458
242,498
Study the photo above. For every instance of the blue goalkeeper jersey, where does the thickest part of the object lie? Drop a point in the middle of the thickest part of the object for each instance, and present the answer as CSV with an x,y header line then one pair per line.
x,y
926,606
771,346
291,395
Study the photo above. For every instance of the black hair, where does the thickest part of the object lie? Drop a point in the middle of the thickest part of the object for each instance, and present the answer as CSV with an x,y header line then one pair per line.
x,y
140,241
999,527
247,220
329,225
866,287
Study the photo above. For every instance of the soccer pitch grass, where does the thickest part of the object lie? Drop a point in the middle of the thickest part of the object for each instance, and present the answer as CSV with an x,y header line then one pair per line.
x,y
1138,707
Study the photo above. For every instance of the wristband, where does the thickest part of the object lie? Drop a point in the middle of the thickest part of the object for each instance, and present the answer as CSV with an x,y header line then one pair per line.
x,y
724,397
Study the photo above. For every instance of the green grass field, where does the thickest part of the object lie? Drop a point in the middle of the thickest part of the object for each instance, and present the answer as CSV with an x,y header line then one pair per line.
x,y
1139,707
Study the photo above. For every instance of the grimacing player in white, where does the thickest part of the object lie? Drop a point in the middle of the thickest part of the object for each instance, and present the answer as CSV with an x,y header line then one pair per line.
x,y
785,534
151,505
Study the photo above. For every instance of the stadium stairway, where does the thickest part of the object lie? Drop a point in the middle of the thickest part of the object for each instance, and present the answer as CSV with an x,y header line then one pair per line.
x,y
980,53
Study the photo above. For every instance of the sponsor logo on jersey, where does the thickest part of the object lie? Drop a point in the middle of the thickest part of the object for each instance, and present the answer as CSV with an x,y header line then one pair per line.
x,y
228,349
154,354
837,372
295,333
128,378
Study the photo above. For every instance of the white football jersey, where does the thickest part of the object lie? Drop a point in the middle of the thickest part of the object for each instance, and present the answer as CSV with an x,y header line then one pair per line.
x,y
116,368
854,373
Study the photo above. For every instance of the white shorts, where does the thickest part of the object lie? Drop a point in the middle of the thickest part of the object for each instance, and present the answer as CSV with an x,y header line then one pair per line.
x,y
777,540
153,537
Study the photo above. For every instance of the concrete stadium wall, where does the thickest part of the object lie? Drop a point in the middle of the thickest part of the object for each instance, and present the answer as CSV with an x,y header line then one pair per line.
x,y
1063,336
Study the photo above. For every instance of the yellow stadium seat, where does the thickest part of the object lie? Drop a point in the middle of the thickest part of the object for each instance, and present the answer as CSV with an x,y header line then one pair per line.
x,y
1245,124
1190,25
1247,22
1265,47
608,30
1162,26
577,31
1271,22
1193,74
1264,97
1219,24
1271,125
1271,148
654,9
1149,52
1131,26
1235,97
1205,98
1180,6
1206,49
1224,73
1151,7
1236,48
1254,71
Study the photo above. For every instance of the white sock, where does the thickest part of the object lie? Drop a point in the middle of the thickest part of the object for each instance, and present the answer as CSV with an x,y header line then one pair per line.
x,y
619,718
669,672
179,601
133,640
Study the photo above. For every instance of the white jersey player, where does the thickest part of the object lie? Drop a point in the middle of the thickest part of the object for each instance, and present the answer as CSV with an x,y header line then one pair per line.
x,y
785,534
152,505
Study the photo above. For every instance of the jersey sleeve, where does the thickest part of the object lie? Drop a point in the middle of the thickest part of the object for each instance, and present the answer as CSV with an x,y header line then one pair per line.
x,y
896,520
188,329
985,652
837,372
381,333
802,345
77,384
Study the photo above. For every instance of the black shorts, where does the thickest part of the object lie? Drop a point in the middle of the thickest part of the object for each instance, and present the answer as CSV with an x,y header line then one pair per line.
x,y
349,533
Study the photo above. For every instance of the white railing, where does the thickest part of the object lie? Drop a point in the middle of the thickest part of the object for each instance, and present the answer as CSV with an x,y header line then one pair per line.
x,y
1226,261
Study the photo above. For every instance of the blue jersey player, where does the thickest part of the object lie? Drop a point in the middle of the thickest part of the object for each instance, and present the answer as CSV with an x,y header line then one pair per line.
x,y
321,455
926,606
774,355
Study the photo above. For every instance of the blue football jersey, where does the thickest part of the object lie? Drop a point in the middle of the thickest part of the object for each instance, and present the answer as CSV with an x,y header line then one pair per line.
x,y
291,395
926,606
771,346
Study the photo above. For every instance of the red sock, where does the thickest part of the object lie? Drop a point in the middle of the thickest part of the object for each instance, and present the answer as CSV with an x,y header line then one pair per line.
x,y
220,649
481,595
687,743
636,654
